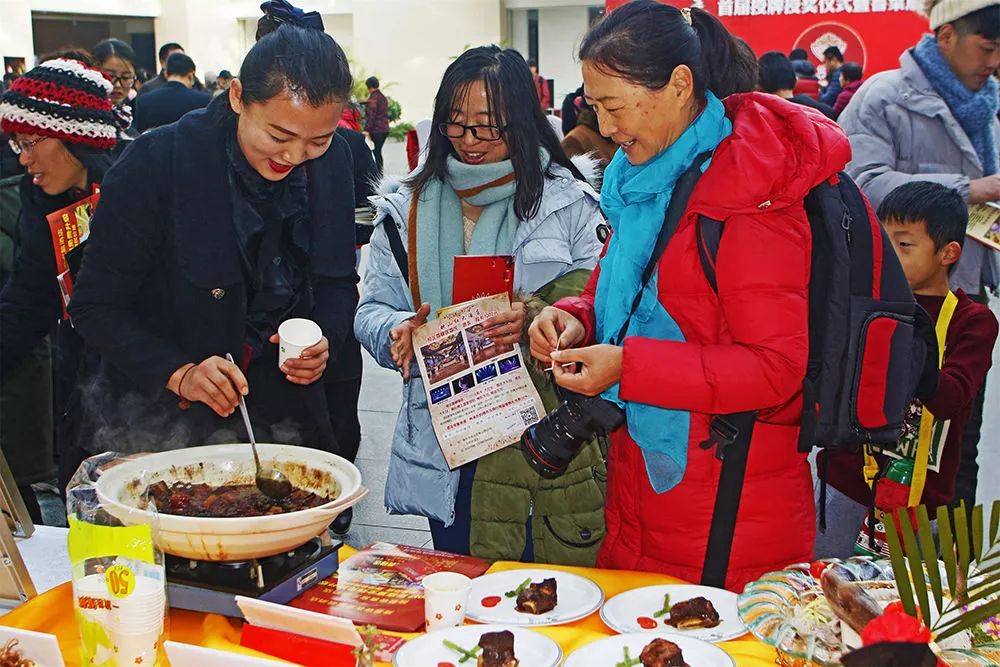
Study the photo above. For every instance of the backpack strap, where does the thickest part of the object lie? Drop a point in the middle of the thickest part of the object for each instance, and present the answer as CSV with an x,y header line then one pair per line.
x,y
732,435
396,245
709,236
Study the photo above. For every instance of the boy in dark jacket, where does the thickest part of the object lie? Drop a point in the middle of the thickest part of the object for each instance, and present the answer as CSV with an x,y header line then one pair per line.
x,y
926,223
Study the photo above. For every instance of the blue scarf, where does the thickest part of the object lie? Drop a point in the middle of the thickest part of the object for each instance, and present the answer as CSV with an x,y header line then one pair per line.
x,y
635,199
974,111
440,231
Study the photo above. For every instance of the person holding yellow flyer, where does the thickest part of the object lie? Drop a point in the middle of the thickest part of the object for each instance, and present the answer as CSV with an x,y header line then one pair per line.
x,y
926,223
495,183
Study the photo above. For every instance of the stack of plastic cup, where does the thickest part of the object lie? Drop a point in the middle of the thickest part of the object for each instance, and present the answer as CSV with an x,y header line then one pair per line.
x,y
136,623
92,598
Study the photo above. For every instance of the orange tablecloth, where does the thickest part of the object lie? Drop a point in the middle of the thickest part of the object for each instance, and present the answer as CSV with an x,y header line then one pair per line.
x,y
52,612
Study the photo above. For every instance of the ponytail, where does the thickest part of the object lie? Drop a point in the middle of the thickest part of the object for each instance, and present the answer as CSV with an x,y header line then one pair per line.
x,y
728,62
644,41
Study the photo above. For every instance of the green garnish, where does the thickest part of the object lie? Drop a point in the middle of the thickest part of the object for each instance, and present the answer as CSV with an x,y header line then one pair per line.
x,y
666,607
467,653
628,661
517,591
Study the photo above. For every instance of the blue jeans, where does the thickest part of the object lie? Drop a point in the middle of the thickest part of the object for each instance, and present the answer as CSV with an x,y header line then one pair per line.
x,y
844,518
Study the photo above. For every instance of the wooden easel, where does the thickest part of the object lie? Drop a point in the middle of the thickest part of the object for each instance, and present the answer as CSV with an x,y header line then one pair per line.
x,y
15,581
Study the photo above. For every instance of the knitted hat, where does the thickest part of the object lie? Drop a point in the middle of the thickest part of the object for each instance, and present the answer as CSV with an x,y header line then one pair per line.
x,y
64,99
945,11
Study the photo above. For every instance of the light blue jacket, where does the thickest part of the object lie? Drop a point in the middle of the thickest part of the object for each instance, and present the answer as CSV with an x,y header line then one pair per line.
x,y
561,238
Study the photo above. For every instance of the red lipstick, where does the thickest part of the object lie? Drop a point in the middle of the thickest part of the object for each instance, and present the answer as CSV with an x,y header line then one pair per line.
x,y
278,167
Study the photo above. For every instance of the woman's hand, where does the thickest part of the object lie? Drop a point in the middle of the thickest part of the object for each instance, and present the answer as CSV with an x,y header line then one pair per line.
x,y
588,370
402,340
554,329
215,382
505,328
309,366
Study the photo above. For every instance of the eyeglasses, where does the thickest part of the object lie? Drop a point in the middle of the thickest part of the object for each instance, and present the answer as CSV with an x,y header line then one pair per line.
x,y
481,132
126,80
24,145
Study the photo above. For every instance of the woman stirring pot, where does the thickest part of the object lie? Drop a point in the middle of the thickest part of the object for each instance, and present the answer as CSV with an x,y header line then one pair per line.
x,y
209,236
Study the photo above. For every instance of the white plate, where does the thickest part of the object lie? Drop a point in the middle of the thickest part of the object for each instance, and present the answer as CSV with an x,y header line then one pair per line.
x,y
576,597
39,647
621,612
609,651
531,648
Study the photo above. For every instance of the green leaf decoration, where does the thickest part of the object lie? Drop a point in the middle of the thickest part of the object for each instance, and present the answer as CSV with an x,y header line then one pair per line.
x,y
994,521
967,621
977,533
947,543
970,558
899,570
915,560
925,533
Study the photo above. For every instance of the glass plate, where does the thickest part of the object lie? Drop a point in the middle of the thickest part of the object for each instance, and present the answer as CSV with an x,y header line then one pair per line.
x,y
787,609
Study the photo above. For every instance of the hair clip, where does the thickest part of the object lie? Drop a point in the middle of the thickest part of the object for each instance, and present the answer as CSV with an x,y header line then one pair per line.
x,y
686,13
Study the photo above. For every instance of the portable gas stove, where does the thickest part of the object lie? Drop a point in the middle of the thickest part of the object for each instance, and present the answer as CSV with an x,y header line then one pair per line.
x,y
212,587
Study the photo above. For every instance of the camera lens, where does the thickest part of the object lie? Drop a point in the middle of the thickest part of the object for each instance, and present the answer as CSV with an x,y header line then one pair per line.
x,y
552,443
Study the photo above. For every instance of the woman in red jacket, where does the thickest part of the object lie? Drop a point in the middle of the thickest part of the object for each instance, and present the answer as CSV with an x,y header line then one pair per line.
x,y
656,75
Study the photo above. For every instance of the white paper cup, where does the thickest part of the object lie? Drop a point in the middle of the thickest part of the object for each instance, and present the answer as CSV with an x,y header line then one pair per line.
x,y
294,336
135,648
446,595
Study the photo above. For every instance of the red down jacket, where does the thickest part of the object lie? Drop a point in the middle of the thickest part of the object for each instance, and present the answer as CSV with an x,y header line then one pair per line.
x,y
745,349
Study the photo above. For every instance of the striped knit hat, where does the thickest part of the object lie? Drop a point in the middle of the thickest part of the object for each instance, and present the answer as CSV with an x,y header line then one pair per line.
x,y
64,99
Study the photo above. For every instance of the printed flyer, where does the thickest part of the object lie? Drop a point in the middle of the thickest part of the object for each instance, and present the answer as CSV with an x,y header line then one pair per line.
x,y
480,395
984,224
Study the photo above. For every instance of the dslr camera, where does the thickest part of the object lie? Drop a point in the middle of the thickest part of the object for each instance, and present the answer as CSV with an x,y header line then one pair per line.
x,y
553,442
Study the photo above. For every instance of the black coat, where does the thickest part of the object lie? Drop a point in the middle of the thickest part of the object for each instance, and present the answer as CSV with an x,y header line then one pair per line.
x,y
167,104
31,303
162,285
348,364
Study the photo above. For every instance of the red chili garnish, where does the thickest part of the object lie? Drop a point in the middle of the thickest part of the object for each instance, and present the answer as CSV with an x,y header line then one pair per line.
x,y
647,623
490,601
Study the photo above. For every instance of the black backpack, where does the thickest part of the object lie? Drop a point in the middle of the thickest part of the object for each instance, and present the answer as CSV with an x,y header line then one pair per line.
x,y
871,348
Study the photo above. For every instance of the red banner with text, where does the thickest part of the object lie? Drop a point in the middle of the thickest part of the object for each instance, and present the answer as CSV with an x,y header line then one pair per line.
x,y
872,33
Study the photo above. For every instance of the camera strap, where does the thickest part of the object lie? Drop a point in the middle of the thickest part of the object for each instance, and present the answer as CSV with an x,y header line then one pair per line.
x,y
675,209
396,246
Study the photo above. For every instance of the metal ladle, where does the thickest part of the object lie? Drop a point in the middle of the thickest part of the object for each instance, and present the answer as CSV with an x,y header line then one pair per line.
x,y
272,483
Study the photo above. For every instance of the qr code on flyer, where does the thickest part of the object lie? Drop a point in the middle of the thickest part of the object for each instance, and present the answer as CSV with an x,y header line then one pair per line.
x,y
529,416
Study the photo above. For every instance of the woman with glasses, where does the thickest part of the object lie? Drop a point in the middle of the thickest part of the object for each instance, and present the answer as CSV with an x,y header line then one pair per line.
x,y
117,60
210,233
495,182
62,126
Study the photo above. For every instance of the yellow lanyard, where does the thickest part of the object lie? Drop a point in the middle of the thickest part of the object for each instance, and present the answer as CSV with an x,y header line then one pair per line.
x,y
926,432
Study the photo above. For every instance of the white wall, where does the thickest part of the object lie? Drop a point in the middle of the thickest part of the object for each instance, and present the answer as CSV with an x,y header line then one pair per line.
x,y
519,31
560,30
15,31
208,31
409,44
15,19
